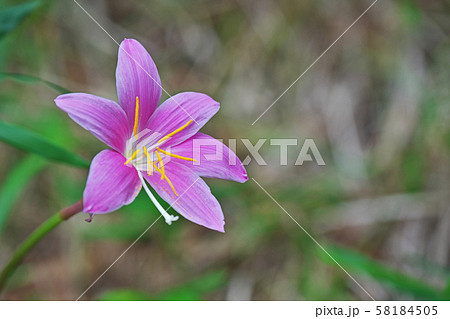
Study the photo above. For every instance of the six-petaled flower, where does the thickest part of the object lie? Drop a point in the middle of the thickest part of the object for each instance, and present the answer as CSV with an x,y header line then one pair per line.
x,y
150,143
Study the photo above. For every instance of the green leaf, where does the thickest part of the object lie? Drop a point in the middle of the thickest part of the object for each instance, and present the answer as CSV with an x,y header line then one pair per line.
x,y
15,182
192,290
32,79
355,263
31,142
12,16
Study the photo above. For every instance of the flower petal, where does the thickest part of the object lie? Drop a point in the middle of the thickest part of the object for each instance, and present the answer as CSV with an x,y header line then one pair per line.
x,y
110,183
213,158
194,201
177,111
102,117
137,75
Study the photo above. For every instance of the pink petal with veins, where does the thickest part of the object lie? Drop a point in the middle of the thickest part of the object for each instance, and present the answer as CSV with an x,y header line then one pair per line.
x,y
137,75
177,111
213,158
102,117
110,183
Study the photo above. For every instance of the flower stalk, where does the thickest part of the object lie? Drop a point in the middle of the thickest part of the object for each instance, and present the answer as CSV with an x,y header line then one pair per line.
x,y
35,237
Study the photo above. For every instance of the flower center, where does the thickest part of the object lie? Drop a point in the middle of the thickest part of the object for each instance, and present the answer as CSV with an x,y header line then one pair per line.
x,y
152,157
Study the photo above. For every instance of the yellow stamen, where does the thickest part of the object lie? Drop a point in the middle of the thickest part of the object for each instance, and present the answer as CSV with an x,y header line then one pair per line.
x,y
156,167
149,162
163,175
132,157
174,132
170,183
136,118
176,156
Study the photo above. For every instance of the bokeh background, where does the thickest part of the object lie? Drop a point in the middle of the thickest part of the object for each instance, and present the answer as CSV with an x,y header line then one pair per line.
x,y
376,104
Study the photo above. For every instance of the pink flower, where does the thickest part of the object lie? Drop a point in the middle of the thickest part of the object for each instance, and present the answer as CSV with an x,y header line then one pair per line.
x,y
156,144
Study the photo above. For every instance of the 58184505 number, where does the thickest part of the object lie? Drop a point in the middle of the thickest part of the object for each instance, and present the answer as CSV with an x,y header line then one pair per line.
x,y
404,310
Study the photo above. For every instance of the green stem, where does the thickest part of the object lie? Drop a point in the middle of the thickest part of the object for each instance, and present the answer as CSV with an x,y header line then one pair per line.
x,y
35,237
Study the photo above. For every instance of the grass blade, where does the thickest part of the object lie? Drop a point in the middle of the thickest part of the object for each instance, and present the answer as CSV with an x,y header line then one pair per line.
x,y
32,79
31,142
355,262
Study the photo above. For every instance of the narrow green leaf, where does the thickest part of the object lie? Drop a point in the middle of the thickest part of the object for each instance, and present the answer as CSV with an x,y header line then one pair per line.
x,y
31,142
24,78
355,263
15,182
12,16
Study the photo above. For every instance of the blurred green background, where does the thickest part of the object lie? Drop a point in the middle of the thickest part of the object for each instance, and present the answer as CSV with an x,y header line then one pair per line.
x,y
377,106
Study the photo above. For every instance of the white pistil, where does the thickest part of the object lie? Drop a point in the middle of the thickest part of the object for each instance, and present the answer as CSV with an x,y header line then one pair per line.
x,y
169,218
